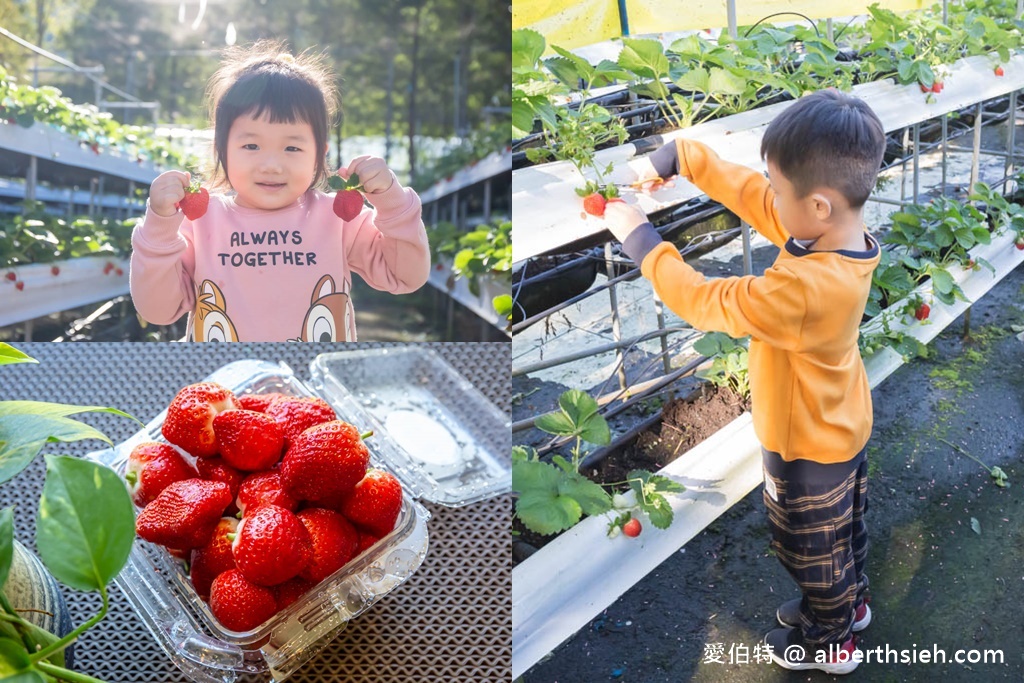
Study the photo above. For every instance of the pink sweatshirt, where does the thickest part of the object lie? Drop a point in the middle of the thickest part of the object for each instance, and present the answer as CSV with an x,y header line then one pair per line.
x,y
251,275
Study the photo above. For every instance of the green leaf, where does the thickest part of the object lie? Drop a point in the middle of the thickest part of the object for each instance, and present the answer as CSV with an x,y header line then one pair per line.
x,y
726,83
527,47
695,80
547,514
644,57
522,118
13,654
558,424
592,498
30,676
502,304
532,475
9,354
86,524
942,281
6,543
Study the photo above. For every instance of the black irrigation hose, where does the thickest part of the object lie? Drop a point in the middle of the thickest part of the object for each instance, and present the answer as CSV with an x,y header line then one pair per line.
x,y
779,14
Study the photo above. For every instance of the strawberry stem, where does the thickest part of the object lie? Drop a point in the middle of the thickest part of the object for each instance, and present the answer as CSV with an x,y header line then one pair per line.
x,y
366,435
131,478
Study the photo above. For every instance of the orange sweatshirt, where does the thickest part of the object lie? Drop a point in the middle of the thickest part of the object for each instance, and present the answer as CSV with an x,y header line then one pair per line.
x,y
809,389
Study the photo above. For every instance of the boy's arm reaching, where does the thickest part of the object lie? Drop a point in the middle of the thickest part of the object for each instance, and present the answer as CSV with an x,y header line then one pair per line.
x,y
739,188
388,247
770,307
161,285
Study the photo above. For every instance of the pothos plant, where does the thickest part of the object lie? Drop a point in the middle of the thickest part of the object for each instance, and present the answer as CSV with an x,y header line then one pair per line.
x,y
554,496
84,528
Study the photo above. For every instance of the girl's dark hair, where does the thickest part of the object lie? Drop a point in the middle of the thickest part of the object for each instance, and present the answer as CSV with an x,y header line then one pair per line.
x,y
827,139
264,78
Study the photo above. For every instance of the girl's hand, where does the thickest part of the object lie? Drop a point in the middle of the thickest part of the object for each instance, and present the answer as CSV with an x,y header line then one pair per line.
x,y
166,191
374,174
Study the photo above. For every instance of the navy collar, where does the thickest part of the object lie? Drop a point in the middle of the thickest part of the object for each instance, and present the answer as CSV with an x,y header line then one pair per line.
x,y
795,249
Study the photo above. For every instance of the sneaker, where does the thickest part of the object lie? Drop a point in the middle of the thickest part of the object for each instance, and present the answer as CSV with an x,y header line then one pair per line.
x,y
788,614
788,650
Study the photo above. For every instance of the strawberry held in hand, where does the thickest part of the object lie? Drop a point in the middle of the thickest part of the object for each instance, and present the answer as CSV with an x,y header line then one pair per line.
x,y
151,468
375,502
325,461
596,197
271,546
196,201
189,421
348,203
185,513
249,441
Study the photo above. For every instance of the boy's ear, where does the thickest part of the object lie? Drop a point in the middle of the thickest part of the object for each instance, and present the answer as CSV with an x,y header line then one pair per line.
x,y
821,205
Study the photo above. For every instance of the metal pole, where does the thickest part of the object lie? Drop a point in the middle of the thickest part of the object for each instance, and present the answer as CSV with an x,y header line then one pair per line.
x,y
31,178
487,200
945,140
659,314
616,323
730,8
748,266
828,30
976,153
917,159
1011,146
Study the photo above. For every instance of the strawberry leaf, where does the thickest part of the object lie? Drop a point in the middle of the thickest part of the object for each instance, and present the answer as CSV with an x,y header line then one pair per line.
x,y
336,182
6,542
86,525
9,354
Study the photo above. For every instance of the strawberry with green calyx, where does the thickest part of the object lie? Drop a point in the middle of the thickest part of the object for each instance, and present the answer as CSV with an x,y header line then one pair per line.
x,y
632,528
998,71
151,468
196,201
1019,242
348,203
214,558
596,197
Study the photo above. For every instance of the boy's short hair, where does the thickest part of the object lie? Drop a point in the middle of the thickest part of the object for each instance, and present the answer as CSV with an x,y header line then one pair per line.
x,y
827,139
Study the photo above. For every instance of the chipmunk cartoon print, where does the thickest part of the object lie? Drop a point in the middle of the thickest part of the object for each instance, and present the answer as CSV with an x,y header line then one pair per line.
x,y
210,321
329,317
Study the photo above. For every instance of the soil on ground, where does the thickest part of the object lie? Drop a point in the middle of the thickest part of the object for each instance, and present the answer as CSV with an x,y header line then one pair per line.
x,y
946,557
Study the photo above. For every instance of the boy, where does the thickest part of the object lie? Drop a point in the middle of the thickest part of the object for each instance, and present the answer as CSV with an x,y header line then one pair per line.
x,y
809,390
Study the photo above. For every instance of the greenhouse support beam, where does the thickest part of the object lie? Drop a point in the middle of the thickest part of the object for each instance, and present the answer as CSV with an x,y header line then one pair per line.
x,y
1011,121
659,314
917,160
730,9
596,350
613,299
31,178
976,152
522,325
945,143
988,152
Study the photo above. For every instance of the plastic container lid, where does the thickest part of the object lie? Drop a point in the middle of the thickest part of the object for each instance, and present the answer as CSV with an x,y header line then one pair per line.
x,y
433,429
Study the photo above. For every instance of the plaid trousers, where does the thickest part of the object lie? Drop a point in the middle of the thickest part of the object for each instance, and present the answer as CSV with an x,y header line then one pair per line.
x,y
819,535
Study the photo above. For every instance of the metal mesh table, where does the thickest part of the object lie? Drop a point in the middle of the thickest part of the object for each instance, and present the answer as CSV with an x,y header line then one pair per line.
x,y
451,621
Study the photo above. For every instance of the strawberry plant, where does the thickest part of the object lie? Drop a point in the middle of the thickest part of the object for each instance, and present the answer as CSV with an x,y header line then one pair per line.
x,y
485,250
554,496
36,236
728,362
84,528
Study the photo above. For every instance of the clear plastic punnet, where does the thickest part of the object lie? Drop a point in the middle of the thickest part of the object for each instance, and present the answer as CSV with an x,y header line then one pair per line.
x,y
469,460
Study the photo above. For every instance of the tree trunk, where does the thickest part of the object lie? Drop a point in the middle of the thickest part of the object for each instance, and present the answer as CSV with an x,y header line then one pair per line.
x,y
414,59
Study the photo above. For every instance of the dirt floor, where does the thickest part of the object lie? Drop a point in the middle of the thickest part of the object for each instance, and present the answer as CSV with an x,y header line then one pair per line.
x,y
947,546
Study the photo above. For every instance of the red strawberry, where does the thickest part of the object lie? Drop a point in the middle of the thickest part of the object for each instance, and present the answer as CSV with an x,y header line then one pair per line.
x,y
107,268
594,204
999,71
151,468
924,88
11,276
189,421
375,502
20,286
214,558
55,270
264,488
296,414
937,86
291,590
334,542
366,541
271,546
325,461
1019,242
118,272
239,604
195,203
922,311
95,148
632,528
257,402
248,440
216,469
348,204
184,514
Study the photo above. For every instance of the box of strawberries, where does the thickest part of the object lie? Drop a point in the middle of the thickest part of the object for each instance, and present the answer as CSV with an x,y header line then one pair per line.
x,y
272,511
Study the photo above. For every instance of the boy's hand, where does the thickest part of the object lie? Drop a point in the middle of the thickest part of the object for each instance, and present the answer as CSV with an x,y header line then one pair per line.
x,y
623,218
166,191
373,172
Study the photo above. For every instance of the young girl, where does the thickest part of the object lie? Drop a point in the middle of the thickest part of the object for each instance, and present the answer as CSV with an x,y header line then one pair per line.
x,y
272,261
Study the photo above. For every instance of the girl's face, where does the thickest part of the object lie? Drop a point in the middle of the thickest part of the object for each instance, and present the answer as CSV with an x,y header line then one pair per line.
x,y
270,165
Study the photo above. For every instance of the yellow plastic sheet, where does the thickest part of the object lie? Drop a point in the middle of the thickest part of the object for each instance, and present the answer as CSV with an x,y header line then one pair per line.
x,y
575,23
